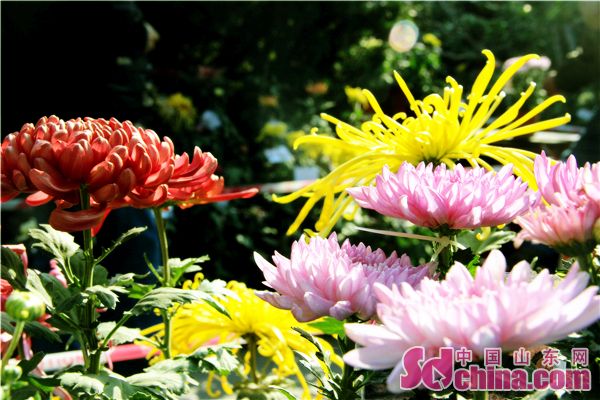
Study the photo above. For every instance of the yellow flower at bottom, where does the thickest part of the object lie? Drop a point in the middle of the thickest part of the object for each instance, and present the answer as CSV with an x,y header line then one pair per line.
x,y
444,129
199,324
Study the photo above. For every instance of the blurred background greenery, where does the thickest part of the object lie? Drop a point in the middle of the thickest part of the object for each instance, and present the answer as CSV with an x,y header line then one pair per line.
x,y
240,78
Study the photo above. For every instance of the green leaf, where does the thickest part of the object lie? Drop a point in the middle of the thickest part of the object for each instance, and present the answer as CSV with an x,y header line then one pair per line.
x,y
310,364
211,301
311,339
109,386
283,391
35,284
78,265
174,382
330,326
163,298
217,288
139,290
252,391
127,279
29,365
212,291
51,290
12,269
46,385
55,288
160,377
68,303
78,383
144,396
130,234
36,329
223,363
6,323
178,263
121,335
180,364
493,241
60,244
473,264
61,325
25,390
218,358
179,267
100,275
105,295
159,277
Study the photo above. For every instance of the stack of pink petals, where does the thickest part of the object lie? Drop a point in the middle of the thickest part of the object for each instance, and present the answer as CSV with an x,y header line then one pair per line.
x,y
322,278
568,206
438,197
492,310
591,183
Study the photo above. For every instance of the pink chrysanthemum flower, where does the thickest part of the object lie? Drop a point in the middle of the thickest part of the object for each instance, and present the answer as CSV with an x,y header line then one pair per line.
x,y
568,207
569,230
560,184
591,183
323,278
439,197
491,310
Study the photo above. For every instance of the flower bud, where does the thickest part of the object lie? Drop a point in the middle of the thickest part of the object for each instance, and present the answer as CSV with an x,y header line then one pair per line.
x,y
25,306
11,373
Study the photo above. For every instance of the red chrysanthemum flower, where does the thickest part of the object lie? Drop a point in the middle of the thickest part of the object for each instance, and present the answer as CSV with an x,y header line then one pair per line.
x,y
54,159
116,163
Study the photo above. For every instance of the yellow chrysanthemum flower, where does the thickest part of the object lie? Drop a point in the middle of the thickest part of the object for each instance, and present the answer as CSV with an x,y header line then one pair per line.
x,y
431,39
182,104
444,129
272,129
198,324
356,95
334,155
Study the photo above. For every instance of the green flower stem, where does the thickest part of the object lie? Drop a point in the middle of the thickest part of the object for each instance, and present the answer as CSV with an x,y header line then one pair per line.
x,y
445,258
166,278
91,352
88,244
68,271
353,381
253,350
444,249
586,263
21,350
481,395
164,246
348,374
166,317
16,338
